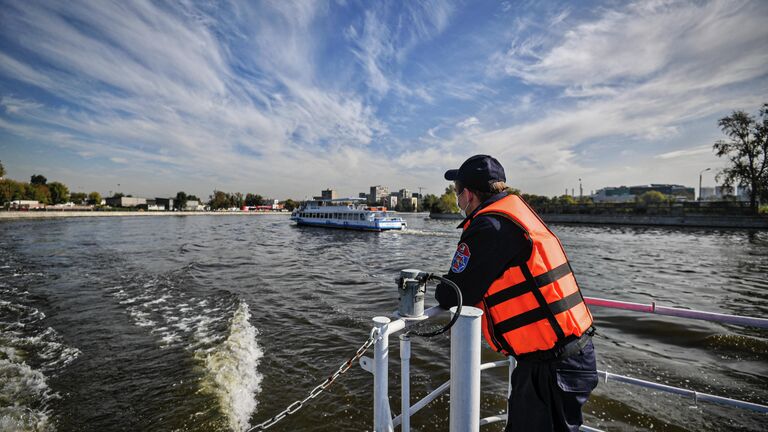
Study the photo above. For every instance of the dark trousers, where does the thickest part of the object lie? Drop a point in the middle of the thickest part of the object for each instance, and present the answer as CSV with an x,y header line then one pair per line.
x,y
548,396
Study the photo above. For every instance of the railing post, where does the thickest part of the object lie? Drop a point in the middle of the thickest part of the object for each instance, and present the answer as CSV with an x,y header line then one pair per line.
x,y
465,371
512,365
382,417
405,382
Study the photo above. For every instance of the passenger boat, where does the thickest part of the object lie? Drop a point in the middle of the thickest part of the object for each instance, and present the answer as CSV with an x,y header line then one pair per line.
x,y
346,213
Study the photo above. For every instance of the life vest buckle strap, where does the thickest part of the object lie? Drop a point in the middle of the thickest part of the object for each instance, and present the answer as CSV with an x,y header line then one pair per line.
x,y
553,275
540,313
528,285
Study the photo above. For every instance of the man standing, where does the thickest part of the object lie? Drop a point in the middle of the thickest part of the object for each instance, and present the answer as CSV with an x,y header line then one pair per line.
x,y
510,265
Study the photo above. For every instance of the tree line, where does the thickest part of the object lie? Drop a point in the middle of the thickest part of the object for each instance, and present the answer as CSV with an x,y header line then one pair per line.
x,y
39,189
221,200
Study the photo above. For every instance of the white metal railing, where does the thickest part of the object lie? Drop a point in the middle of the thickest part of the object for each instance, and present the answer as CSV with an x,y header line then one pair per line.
x,y
678,312
465,369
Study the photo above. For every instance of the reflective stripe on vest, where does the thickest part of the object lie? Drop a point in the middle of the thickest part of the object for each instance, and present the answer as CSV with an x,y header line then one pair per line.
x,y
537,306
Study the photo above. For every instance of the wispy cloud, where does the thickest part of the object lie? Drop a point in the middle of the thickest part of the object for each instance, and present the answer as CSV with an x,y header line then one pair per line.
x,y
382,48
280,97
468,122
685,153
153,85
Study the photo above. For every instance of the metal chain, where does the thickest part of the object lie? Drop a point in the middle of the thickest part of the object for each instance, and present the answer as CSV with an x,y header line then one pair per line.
x,y
292,408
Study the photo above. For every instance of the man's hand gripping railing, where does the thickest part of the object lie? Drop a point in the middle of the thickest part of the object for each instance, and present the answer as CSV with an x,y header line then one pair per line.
x,y
292,408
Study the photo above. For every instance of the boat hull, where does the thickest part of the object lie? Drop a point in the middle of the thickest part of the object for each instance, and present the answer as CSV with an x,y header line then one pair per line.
x,y
350,226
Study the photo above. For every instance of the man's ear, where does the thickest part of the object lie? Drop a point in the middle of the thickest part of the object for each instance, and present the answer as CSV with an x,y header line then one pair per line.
x,y
472,197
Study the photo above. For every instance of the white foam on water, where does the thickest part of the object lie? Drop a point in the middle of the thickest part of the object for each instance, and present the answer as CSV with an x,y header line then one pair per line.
x,y
141,318
228,354
24,391
30,352
418,232
232,370
24,388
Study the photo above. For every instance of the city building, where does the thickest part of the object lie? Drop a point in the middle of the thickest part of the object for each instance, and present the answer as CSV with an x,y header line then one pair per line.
x,y
390,201
193,205
126,201
613,194
152,205
379,194
679,192
718,193
26,205
164,203
328,194
629,193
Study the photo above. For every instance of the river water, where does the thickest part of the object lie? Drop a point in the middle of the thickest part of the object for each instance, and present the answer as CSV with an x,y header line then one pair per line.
x,y
215,323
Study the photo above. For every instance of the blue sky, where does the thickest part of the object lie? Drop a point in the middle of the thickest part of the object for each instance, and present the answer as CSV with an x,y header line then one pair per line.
x,y
285,98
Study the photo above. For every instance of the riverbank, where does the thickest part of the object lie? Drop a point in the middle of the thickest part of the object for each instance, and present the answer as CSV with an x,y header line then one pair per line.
x,y
738,222
698,221
11,215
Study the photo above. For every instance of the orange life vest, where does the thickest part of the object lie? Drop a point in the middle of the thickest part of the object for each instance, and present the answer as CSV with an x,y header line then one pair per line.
x,y
537,306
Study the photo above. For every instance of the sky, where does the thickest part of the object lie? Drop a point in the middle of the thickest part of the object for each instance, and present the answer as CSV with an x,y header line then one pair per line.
x,y
286,98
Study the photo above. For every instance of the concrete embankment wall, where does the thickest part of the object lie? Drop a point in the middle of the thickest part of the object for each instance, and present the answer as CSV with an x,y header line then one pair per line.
x,y
4,215
446,216
683,221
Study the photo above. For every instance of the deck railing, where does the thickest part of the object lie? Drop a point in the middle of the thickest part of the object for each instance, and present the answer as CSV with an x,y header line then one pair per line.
x,y
465,367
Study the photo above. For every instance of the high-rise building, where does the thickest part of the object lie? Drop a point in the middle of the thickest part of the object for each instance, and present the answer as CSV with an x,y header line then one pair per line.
x,y
378,193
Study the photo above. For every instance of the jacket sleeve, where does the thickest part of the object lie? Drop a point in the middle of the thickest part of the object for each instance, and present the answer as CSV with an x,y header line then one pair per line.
x,y
484,251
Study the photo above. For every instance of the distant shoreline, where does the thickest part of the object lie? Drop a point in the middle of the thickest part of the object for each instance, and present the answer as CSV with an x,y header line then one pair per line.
x,y
16,215
698,221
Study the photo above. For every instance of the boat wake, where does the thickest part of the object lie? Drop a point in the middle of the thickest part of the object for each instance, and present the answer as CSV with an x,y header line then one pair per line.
x,y
232,375
418,232
30,353
216,331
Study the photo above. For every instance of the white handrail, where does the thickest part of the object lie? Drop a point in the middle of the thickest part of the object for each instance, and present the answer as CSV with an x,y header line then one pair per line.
x,y
696,396
678,312
383,420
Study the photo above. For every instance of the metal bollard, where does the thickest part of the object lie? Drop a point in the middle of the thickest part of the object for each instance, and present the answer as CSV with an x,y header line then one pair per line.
x,y
405,382
465,371
382,416
412,285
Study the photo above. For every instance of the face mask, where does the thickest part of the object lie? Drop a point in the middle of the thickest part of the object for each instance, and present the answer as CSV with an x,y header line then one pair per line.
x,y
462,211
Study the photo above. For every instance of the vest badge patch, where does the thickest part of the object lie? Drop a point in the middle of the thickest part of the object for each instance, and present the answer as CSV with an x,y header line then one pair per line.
x,y
460,258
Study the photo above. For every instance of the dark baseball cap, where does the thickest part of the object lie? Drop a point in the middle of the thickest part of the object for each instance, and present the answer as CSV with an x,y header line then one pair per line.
x,y
478,172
